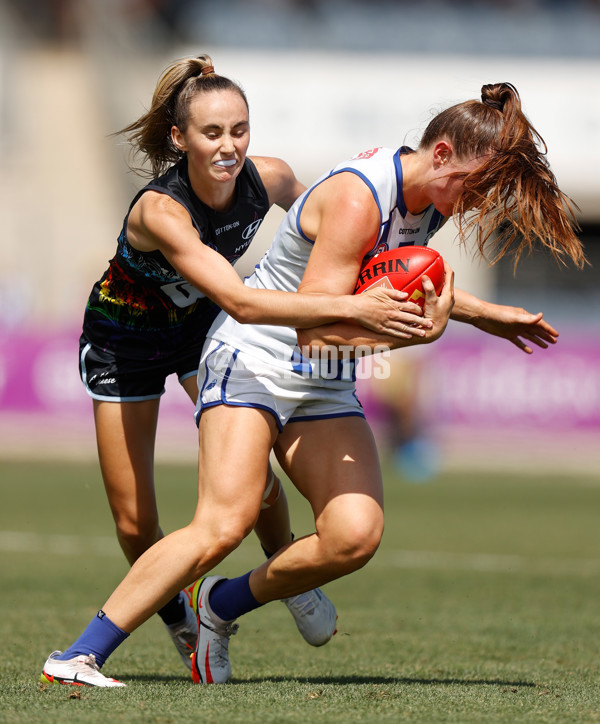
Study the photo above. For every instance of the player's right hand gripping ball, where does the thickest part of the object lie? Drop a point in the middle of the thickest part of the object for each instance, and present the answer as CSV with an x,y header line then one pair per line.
x,y
402,269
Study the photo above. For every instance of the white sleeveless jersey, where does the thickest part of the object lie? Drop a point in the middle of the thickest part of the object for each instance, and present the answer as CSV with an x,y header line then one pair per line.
x,y
283,265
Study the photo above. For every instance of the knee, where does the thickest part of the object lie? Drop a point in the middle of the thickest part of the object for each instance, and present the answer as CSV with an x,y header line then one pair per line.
x,y
221,536
357,543
137,533
360,547
227,538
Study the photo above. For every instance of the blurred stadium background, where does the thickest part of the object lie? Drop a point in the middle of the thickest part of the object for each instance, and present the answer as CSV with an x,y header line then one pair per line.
x,y
325,79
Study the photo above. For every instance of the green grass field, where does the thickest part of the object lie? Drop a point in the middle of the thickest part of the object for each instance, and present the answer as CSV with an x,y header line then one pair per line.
x,y
482,605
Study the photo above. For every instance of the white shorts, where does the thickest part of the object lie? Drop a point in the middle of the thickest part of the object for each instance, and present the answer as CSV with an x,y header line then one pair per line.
x,y
229,376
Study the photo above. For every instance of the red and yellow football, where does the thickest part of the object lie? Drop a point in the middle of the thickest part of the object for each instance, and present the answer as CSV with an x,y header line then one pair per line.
x,y
402,269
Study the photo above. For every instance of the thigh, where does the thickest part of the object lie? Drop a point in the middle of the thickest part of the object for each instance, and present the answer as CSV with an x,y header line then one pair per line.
x,y
125,434
334,464
190,385
186,369
233,460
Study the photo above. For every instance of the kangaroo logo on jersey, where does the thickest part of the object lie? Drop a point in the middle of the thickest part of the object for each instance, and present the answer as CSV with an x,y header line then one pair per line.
x,y
366,154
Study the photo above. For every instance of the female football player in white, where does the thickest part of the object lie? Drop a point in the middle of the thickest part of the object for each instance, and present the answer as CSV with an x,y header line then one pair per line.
x,y
259,384
148,315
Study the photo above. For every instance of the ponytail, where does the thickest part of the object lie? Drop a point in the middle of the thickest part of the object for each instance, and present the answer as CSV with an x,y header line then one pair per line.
x,y
512,201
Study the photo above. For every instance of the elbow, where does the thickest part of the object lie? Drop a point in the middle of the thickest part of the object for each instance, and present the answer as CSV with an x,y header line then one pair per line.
x,y
307,341
303,337
240,310
242,316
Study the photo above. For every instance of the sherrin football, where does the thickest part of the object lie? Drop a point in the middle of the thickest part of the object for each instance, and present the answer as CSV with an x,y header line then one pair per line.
x,y
402,269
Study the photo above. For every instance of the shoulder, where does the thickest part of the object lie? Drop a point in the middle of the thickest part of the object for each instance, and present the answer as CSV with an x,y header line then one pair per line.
x,y
279,180
378,171
271,169
152,203
155,215
345,195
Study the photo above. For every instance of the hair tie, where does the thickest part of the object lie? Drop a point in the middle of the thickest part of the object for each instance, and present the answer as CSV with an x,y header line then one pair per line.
x,y
498,105
207,69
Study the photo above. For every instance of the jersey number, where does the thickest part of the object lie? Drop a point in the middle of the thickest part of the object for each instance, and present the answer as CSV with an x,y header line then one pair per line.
x,y
183,294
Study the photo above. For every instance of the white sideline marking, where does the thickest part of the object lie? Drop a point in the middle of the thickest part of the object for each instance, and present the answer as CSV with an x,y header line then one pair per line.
x,y
71,545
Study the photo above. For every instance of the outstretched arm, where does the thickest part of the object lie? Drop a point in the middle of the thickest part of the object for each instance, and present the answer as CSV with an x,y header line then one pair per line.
x,y
159,222
519,326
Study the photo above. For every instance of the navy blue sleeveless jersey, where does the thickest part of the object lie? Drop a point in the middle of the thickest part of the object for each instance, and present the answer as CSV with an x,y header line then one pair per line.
x,y
142,308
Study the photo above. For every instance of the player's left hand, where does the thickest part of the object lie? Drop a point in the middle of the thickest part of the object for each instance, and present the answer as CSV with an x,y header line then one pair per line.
x,y
519,326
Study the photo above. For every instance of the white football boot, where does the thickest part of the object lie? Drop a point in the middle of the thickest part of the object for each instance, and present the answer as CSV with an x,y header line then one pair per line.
x,y
315,616
79,671
210,660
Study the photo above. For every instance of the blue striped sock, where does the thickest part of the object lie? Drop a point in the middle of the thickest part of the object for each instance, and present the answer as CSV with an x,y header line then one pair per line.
x,y
101,638
232,598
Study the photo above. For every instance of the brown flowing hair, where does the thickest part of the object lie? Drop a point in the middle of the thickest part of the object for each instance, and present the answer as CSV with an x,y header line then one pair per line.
x,y
179,84
512,201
